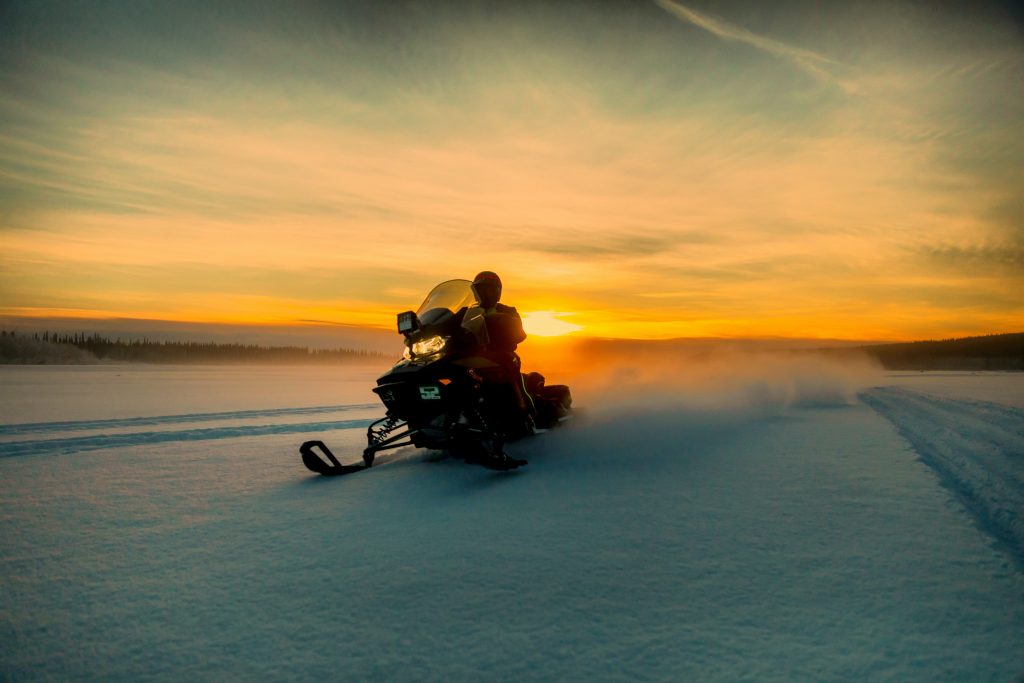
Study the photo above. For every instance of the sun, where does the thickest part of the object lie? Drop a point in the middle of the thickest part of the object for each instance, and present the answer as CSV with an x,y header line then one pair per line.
x,y
547,324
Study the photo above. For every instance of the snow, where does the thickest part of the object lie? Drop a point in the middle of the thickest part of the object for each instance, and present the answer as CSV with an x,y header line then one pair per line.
x,y
156,523
998,387
975,447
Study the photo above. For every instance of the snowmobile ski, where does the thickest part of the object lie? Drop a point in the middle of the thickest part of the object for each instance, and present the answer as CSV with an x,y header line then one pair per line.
x,y
329,468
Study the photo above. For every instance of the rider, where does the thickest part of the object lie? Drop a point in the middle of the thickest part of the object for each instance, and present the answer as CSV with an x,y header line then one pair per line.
x,y
504,332
504,326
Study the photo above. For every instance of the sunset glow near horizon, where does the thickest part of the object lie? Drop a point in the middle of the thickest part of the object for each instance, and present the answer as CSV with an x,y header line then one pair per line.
x,y
630,169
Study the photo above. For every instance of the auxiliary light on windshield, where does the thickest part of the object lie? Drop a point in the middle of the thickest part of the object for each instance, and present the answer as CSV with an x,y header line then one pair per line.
x,y
407,322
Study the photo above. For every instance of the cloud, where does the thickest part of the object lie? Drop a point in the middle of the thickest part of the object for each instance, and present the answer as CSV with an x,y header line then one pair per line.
x,y
984,260
619,244
813,63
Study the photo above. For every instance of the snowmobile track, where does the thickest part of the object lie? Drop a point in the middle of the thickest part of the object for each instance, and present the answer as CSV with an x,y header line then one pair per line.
x,y
975,448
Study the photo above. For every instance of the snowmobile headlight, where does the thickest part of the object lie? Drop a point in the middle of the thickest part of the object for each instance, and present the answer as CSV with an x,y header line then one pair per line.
x,y
428,347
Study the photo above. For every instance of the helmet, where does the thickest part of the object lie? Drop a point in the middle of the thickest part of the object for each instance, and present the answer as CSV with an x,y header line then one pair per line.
x,y
487,288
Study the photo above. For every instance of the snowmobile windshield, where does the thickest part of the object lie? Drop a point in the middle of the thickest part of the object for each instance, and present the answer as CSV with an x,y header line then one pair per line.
x,y
445,300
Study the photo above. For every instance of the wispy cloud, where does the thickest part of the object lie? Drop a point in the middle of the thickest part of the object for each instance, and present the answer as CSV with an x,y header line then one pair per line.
x,y
813,63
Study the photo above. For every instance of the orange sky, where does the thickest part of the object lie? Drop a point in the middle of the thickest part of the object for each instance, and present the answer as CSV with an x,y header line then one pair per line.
x,y
638,170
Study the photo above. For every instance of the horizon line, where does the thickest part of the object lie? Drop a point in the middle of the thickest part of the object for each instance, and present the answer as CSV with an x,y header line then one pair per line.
x,y
38,324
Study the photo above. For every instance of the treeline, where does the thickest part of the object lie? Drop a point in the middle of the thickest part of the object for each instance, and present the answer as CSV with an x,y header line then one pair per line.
x,y
23,349
990,352
56,347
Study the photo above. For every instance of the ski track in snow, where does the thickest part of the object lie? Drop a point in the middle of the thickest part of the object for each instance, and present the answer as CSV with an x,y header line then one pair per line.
x,y
92,442
976,448
77,425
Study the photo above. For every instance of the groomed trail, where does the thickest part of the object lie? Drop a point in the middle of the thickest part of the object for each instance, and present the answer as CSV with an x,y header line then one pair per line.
x,y
755,539
976,448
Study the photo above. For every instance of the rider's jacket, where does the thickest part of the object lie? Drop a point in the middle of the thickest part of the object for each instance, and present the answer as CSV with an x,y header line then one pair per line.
x,y
504,328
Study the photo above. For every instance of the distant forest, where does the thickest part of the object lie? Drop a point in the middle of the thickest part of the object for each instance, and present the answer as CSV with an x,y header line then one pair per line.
x,y
63,348
991,352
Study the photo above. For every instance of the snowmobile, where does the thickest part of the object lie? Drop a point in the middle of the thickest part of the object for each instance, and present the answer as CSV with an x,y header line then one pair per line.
x,y
447,394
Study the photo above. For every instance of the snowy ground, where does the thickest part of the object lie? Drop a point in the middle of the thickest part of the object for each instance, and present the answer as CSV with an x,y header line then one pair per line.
x,y
156,523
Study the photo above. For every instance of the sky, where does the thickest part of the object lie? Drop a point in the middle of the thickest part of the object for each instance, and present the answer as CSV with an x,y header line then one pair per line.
x,y
633,169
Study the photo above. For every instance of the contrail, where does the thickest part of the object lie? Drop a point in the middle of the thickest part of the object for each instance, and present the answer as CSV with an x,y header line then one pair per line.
x,y
807,60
